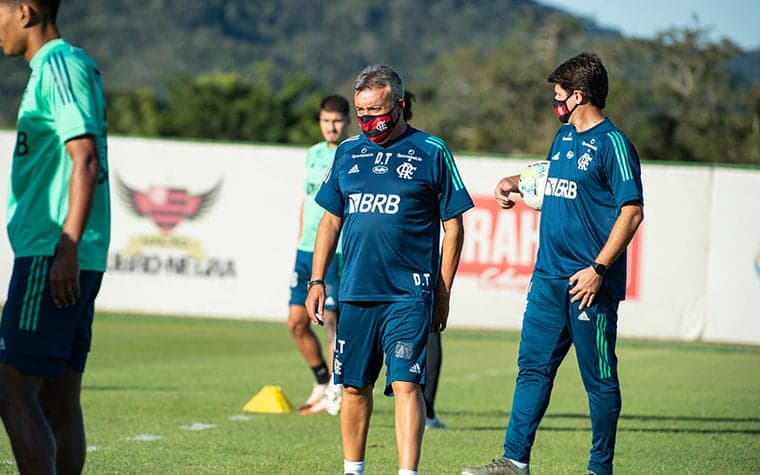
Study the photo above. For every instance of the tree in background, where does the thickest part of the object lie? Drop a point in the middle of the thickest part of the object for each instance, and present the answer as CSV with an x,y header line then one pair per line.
x,y
221,106
498,101
678,96
134,112
681,100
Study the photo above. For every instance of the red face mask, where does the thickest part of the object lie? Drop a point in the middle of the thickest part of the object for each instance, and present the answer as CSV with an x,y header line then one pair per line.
x,y
377,128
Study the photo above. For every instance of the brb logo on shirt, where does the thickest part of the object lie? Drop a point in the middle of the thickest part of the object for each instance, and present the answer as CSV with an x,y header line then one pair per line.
x,y
373,203
561,188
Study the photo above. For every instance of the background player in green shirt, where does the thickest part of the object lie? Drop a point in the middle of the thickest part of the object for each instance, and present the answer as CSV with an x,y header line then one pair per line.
x,y
58,222
325,396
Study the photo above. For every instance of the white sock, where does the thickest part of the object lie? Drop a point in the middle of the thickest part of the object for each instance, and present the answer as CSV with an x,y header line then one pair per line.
x,y
518,464
357,468
406,471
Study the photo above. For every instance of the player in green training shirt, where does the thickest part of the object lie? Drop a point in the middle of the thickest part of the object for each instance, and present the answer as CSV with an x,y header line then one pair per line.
x,y
325,396
58,222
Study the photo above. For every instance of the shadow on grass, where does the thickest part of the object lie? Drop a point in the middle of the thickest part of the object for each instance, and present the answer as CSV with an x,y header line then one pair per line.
x,y
95,387
643,417
627,423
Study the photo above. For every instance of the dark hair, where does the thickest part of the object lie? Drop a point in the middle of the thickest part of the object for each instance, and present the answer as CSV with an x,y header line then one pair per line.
x,y
47,8
408,99
584,72
334,103
50,7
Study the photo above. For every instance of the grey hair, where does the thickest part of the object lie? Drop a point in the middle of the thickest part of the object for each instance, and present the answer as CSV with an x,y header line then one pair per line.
x,y
380,75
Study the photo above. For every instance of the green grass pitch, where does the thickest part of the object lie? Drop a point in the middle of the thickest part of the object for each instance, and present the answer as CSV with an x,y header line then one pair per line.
x,y
164,395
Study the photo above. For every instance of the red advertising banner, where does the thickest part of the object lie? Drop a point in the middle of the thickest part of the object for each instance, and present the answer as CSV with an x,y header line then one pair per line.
x,y
500,247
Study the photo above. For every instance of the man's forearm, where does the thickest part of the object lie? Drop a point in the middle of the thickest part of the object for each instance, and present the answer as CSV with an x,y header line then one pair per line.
x,y
622,232
451,250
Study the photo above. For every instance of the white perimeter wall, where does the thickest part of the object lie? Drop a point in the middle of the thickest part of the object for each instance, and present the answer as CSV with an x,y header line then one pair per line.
x,y
229,214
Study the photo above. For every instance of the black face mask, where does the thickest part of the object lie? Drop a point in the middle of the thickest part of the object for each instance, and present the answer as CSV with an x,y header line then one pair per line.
x,y
561,110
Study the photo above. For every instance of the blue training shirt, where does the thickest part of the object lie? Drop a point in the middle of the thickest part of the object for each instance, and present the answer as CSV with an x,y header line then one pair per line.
x,y
392,200
592,174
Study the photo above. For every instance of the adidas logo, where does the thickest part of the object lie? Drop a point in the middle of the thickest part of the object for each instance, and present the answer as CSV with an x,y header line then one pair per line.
x,y
555,156
354,169
415,368
584,317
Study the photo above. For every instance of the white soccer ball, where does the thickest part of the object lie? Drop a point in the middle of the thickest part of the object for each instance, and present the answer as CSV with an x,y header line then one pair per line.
x,y
533,183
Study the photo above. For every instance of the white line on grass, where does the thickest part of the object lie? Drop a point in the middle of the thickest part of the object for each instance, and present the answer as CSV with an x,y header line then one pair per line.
x,y
241,417
195,426
198,426
144,437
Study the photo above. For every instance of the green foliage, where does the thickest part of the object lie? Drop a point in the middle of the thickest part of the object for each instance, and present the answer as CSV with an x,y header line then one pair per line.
x,y
222,106
674,95
498,100
687,407
255,71
680,102
134,112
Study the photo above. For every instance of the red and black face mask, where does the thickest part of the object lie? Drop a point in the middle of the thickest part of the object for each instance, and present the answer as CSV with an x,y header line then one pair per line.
x,y
561,110
377,128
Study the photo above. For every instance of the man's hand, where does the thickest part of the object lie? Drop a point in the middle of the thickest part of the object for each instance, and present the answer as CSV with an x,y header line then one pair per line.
x,y
315,303
64,274
506,185
585,285
440,312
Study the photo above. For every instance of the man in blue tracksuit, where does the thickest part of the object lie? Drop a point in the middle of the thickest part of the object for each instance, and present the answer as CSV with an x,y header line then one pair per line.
x,y
593,204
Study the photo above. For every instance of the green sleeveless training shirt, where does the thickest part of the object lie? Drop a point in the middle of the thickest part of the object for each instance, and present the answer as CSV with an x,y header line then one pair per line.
x,y
63,100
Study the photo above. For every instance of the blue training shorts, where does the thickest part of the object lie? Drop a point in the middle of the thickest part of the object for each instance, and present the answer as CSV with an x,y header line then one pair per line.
x,y
302,275
367,330
36,337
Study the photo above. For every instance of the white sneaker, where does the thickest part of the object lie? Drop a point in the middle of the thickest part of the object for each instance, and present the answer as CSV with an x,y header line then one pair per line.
x,y
434,423
316,408
333,396
315,399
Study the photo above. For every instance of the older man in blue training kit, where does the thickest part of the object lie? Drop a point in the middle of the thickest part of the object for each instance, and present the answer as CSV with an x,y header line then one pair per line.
x,y
388,191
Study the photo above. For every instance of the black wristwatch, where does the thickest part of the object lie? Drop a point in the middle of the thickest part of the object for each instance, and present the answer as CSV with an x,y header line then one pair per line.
x,y
312,283
600,269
